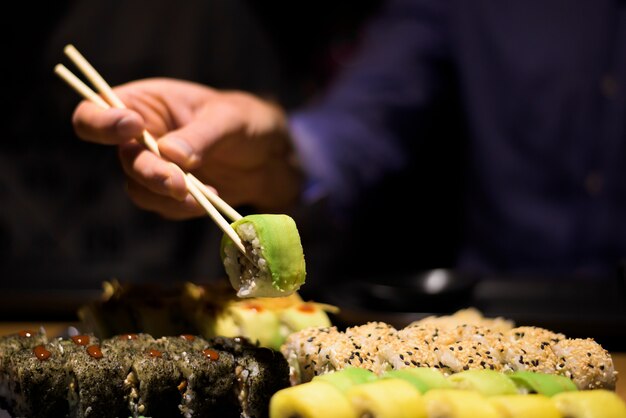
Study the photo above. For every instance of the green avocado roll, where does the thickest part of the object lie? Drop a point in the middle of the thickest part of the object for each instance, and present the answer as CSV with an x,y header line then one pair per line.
x,y
542,383
274,262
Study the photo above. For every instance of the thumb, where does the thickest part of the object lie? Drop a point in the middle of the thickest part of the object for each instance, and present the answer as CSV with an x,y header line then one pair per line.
x,y
186,146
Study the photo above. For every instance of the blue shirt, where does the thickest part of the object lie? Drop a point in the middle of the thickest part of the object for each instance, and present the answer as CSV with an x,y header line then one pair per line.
x,y
541,88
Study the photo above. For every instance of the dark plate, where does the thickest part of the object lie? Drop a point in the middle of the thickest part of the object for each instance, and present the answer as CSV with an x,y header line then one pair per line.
x,y
428,291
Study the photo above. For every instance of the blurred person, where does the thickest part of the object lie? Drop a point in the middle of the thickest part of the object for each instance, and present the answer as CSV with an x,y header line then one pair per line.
x,y
503,120
65,224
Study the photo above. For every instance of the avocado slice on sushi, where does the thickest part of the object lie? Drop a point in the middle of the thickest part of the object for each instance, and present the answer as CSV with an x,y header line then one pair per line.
x,y
458,403
488,382
302,315
348,377
311,400
597,403
387,398
273,265
524,406
543,383
251,319
423,378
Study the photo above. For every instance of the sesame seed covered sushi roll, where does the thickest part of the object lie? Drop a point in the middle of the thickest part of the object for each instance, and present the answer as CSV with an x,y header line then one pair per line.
x,y
585,362
274,262
303,351
530,348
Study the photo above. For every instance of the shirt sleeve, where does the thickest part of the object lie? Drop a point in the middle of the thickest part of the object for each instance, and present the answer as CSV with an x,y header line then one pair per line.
x,y
362,128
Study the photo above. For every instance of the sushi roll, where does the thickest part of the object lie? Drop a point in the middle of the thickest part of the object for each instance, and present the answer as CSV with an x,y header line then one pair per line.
x,y
457,403
347,378
259,373
468,316
9,345
154,381
249,318
316,351
387,398
97,386
273,265
597,403
585,362
311,400
530,348
541,383
302,315
39,381
208,376
487,382
524,406
423,378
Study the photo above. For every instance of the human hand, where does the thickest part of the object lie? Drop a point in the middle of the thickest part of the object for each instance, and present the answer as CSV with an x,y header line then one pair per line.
x,y
232,141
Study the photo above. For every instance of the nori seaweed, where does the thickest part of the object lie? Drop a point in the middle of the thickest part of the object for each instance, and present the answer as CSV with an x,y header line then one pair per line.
x,y
209,382
260,373
99,384
9,345
159,378
238,383
40,387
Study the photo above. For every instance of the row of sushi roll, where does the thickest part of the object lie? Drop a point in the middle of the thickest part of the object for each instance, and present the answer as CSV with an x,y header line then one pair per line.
x,y
452,344
428,393
207,309
135,375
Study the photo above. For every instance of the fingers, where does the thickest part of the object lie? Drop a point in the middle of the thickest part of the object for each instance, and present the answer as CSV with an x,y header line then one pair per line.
x,y
164,206
151,172
110,126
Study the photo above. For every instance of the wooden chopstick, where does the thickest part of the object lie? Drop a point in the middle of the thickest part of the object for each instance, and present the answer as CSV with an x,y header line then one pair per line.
x,y
201,194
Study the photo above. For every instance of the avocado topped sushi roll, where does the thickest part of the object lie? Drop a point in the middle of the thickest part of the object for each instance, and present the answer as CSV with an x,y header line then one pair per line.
x,y
273,265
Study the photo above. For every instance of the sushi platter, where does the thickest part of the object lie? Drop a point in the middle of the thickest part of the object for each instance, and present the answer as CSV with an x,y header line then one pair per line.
x,y
491,366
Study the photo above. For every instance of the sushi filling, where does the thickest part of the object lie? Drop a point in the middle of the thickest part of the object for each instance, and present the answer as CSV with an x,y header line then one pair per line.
x,y
131,384
250,278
